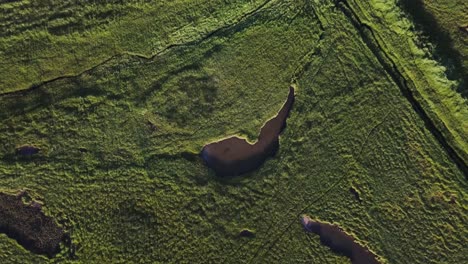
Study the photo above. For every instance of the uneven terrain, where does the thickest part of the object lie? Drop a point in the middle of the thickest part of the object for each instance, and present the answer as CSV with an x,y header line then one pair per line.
x,y
105,108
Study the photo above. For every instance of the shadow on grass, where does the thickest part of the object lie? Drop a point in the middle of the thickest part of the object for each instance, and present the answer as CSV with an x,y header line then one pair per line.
x,y
426,22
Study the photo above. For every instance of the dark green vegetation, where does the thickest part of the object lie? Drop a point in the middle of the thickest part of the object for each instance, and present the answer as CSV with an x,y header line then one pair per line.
x,y
235,156
444,25
339,241
121,98
21,219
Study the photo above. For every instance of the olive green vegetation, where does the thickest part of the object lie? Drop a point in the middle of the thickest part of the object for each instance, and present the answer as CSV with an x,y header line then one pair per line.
x,y
41,40
443,33
427,80
444,25
20,216
119,142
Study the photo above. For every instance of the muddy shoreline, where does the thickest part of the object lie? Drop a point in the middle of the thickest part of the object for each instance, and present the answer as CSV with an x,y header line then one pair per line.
x,y
339,241
28,225
235,156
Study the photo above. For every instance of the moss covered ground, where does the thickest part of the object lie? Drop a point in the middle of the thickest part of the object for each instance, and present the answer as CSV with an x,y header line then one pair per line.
x,y
120,98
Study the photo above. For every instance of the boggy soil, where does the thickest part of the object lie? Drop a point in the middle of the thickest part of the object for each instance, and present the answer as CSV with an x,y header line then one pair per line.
x,y
234,156
339,241
27,150
28,225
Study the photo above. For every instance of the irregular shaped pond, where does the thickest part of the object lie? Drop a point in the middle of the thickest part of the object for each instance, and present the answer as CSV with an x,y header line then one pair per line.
x,y
27,150
28,225
234,156
339,241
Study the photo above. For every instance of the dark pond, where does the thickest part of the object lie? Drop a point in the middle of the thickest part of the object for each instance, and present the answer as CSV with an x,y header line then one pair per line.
x,y
339,241
27,224
27,150
234,156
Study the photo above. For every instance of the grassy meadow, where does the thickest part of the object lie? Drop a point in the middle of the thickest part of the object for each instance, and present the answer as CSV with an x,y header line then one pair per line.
x,y
121,96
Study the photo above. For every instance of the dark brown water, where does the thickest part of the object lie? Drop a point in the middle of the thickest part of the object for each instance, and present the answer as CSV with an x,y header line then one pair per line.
x,y
339,241
27,224
247,233
235,156
27,150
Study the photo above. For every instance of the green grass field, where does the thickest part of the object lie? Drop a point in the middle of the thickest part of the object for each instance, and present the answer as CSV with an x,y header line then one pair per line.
x,y
121,96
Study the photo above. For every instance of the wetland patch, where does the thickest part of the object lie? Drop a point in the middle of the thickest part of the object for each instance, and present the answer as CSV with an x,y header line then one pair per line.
x,y
339,241
27,150
235,156
22,219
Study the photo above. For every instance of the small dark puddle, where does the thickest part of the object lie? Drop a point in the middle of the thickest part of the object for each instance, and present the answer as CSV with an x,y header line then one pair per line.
x,y
247,233
463,29
28,225
83,150
27,150
235,156
355,193
339,241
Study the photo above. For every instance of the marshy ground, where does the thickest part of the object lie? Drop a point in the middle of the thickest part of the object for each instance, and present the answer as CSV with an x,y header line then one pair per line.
x,y
235,156
105,109
22,219
339,241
